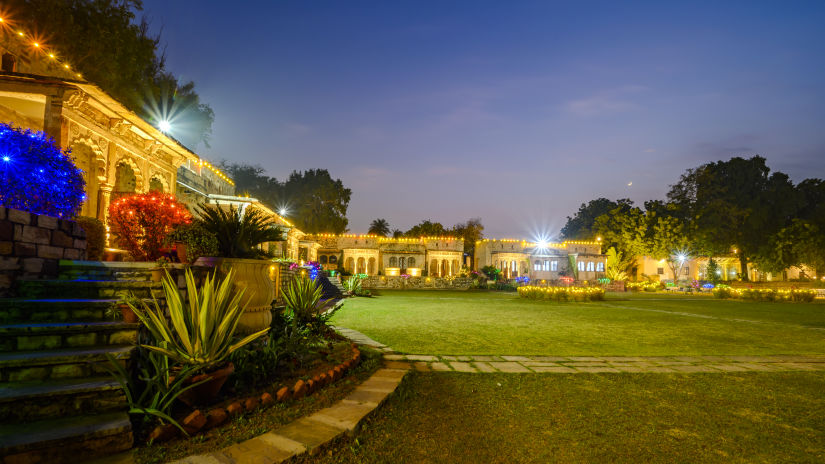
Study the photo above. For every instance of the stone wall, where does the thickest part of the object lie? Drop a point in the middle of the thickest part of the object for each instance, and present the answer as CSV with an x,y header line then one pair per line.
x,y
417,283
32,245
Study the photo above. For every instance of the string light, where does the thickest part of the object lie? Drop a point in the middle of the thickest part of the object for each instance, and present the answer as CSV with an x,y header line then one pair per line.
x,y
36,44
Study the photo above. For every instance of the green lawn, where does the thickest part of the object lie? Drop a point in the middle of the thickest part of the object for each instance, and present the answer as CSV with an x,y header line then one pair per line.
x,y
512,418
479,322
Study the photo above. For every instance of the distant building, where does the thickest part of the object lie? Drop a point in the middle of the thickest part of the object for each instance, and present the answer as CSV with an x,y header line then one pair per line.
x,y
517,258
729,269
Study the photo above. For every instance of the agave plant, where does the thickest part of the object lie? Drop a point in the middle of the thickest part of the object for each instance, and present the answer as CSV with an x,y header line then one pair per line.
x,y
239,232
201,334
353,285
303,299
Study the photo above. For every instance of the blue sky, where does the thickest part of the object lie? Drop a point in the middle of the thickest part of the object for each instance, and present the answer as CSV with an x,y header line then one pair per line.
x,y
515,112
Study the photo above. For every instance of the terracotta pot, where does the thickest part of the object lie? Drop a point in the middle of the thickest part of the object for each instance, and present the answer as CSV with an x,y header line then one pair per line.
x,y
157,274
253,275
206,392
180,248
129,316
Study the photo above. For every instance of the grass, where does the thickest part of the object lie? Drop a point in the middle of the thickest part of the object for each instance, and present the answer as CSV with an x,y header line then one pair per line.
x,y
479,322
512,418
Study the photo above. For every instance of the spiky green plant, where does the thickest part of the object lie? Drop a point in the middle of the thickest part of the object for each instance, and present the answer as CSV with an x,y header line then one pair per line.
x,y
303,299
353,285
239,232
612,268
202,331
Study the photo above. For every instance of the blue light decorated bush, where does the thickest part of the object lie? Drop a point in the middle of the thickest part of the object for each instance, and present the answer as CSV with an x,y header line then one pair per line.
x,y
37,176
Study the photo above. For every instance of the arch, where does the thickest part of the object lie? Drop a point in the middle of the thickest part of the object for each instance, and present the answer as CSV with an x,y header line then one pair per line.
x,y
322,259
361,266
454,268
155,185
350,265
138,173
444,269
371,266
125,180
393,262
410,262
434,268
89,161
333,259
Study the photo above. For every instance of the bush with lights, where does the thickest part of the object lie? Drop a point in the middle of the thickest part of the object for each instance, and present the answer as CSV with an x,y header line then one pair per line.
x,y
144,221
37,176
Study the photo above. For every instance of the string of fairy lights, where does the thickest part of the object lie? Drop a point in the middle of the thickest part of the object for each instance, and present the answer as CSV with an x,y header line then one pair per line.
x,y
48,52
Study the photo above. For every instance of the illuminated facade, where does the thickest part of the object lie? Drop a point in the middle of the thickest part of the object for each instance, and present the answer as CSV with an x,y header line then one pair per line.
x,y
729,268
374,255
551,261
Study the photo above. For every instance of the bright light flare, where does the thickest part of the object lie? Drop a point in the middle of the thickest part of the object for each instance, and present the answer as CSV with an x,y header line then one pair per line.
x,y
165,126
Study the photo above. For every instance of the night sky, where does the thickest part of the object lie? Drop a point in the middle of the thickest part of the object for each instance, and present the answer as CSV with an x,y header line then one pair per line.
x,y
512,111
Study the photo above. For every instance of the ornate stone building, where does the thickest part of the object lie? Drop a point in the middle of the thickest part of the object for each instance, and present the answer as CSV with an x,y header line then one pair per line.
x,y
541,261
371,254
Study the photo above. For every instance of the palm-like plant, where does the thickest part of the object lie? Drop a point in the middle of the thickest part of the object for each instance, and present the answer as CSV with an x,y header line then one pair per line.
x,y
303,299
201,334
239,232
613,270
379,227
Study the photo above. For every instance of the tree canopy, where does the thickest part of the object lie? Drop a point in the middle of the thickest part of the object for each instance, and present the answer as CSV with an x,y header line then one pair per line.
x,y
580,226
107,42
316,203
379,227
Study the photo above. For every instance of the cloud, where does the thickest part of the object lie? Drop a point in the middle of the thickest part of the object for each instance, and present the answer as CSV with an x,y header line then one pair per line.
x,y
612,101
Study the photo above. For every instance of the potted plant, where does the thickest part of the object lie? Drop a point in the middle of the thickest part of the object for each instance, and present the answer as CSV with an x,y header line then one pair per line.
x,y
121,309
162,264
239,234
192,241
200,333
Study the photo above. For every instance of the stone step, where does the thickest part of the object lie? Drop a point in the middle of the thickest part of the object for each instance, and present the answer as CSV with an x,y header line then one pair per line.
x,y
32,401
54,335
21,366
95,289
20,310
65,440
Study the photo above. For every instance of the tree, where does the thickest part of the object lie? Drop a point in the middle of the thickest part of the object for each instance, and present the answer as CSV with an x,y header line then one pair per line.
x,y
613,267
734,204
580,226
112,48
426,228
625,229
320,202
379,227
471,232
397,233
668,241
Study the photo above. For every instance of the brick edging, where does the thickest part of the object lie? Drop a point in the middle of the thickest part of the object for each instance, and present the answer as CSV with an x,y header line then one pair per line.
x,y
310,433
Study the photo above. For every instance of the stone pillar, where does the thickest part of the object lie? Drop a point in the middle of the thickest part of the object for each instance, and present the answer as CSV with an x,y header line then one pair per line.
x,y
105,195
53,119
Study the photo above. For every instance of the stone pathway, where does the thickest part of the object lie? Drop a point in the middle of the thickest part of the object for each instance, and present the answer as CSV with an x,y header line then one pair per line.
x,y
597,364
361,339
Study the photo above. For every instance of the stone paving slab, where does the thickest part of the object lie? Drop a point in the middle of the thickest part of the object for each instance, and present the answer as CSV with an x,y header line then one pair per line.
x,y
627,364
342,415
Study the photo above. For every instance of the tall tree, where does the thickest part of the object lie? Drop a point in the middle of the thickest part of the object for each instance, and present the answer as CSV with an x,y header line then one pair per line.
x,y
580,226
426,228
625,229
379,227
320,201
735,204
112,48
470,231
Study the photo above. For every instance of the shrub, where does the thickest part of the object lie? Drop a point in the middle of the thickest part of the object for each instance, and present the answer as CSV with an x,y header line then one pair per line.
x,y
643,286
144,221
766,295
199,241
36,176
302,299
562,294
353,285
95,236
239,232
492,272
202,330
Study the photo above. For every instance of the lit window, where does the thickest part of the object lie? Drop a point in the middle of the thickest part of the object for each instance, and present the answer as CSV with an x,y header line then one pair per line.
x,y
600,267
660,270
590,266
546,265
581,265
554,265
686,270
537,265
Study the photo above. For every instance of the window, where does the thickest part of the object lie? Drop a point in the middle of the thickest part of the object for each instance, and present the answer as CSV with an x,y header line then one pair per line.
x,y
333,259
581,265
554,265
410,261
393,262
546,265
686,270
537,265
600,267
660,270
590,266
322,259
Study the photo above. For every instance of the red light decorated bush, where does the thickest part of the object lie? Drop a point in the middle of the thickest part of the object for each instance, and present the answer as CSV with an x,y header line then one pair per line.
x,y
37,176
143,222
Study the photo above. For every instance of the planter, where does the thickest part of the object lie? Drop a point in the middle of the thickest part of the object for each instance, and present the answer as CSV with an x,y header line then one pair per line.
x,y
253,275
127,313
180,249
206,392
157,274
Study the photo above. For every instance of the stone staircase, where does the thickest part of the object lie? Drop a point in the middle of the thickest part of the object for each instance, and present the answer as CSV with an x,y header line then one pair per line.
x,y
329,287
58,403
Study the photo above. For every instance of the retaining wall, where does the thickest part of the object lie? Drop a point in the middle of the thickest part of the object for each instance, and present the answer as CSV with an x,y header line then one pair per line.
x,y
32,245
417,283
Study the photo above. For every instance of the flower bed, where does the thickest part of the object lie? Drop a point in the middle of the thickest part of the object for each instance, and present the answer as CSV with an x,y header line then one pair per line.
x,y
798,295
562,293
